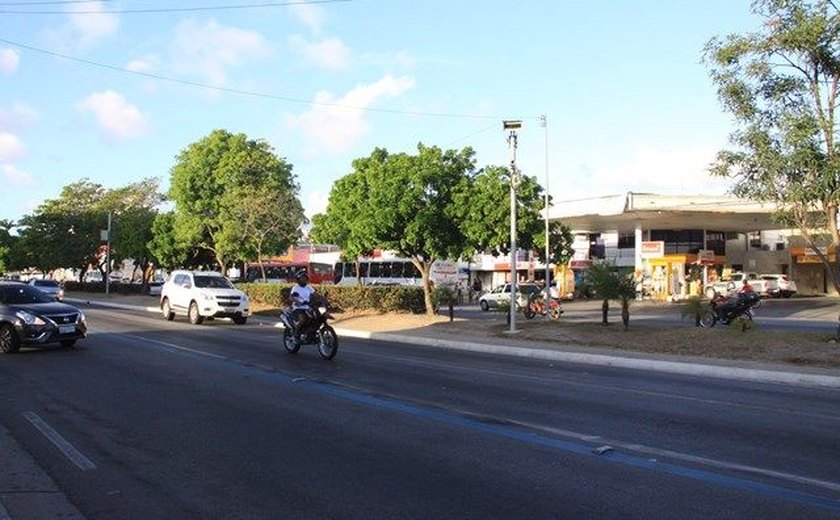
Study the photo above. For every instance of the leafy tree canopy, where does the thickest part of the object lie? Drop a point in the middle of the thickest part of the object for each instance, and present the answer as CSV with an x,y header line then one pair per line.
x,y
781,84
210,184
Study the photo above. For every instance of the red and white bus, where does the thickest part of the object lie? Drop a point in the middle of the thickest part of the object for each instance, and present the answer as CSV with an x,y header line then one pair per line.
x,y
284,271
392,271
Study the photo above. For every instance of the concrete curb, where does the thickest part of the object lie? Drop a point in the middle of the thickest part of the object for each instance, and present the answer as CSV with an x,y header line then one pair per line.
x,y
673,367
656,365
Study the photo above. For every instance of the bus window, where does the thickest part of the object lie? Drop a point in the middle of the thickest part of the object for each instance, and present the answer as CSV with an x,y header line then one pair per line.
x,y
374,270
411,271
364,269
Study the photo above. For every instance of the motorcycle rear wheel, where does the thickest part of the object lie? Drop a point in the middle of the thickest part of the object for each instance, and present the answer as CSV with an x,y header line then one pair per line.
x,y
708,319
327,343
290,342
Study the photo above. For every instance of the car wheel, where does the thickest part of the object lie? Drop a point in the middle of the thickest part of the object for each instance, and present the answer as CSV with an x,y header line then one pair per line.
x,y
68,343
9,342
240,320
195,317
167,310
484,305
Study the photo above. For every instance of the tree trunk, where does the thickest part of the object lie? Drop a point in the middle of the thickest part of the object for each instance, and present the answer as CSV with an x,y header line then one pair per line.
x,y
605,309
625,313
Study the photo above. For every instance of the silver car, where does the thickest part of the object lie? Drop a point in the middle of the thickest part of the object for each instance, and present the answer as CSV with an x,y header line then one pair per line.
x,y
502,294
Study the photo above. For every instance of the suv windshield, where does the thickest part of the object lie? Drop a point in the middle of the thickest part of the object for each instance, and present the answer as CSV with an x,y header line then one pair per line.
x,y
17,294
216,282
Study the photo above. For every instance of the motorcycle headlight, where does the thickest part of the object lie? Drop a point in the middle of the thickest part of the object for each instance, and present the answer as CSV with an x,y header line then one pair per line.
x,y
29,318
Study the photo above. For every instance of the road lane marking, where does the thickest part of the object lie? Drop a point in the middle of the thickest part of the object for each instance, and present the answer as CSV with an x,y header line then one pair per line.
x,y
474,422
60,442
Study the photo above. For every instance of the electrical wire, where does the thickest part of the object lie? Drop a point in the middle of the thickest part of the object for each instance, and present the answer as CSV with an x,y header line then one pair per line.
x,y
241,92
228,7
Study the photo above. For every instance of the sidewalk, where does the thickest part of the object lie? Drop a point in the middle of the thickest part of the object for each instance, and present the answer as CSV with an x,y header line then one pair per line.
x,y
553,351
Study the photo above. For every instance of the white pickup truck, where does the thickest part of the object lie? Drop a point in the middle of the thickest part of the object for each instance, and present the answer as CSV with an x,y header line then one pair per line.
x,y
736,281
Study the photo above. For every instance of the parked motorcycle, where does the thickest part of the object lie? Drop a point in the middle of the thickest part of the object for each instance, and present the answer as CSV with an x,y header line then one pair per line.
x,y
315,332
726,309
536,305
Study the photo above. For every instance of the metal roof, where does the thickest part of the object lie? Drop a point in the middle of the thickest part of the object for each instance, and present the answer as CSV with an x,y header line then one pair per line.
x,y
623,213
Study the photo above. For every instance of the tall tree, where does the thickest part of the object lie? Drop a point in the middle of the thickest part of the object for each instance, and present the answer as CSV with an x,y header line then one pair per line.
x,y
6,245
781,84
402,203
206,187
485,211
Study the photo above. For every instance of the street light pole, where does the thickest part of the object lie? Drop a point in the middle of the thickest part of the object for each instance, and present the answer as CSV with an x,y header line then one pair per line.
x,y
108,257
544,124
512,127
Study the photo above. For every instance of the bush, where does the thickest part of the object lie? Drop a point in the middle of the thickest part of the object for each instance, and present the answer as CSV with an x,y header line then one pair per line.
x,y
345,298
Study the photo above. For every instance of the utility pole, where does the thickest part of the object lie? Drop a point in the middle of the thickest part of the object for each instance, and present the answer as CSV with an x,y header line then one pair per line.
x,y
512,127
108,257
544,124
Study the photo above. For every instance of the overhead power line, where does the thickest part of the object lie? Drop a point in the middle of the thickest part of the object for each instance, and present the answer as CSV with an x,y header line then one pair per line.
x,y
228,7
242,92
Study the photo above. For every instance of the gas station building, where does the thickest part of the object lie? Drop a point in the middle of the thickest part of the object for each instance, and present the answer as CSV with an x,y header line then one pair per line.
x,y
674,244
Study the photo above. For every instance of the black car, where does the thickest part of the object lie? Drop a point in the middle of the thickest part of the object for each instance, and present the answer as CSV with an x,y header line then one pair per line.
x,y
30,317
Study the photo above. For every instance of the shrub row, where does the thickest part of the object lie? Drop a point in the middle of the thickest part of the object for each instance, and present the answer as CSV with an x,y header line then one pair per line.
x,y
345,298
99,287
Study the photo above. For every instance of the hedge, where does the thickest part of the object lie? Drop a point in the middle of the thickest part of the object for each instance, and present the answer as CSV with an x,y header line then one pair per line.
x,y
394,298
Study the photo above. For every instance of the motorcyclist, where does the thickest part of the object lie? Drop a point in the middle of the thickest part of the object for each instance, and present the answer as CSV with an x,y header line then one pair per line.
x,y
301,299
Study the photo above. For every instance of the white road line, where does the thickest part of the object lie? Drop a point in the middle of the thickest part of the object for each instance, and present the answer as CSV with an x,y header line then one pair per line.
x,y
60,442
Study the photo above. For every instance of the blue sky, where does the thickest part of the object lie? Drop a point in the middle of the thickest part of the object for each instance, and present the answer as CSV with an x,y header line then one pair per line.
x,y
88,89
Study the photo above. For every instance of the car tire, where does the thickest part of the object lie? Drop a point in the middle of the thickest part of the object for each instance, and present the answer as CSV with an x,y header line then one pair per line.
x,y
240,320
484,305
9,342
168,315
195,317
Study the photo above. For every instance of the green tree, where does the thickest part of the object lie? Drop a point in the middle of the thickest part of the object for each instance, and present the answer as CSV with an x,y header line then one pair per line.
x,y
560,240
402,203
484,210
7,241
165,247
207,183
781,84
602,279
266,220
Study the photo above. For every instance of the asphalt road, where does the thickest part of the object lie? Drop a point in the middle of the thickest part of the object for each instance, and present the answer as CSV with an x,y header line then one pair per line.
x,y
156,419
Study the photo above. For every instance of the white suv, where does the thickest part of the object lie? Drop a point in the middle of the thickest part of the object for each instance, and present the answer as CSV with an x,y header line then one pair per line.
x,y
202,294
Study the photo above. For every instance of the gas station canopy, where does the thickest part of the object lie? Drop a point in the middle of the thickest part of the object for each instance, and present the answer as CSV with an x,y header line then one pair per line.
x,y
624,213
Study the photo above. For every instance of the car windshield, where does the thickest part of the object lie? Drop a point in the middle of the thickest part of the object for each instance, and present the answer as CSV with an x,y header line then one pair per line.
x,y
17,294
218,282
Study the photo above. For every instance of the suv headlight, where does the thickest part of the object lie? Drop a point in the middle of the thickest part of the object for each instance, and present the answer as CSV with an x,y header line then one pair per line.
x,y
29,318
206,296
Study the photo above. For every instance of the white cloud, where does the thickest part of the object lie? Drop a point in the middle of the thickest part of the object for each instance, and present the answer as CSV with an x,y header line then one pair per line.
x,y
210,49
145,64
655,170
335,124
401,59
330,53
17,178
310,15
89,27
316,202
9,61
118,119
11,148
18,117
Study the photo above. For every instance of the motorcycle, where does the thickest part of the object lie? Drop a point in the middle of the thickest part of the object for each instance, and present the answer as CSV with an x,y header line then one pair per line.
x,y
536,305
315,332
726,309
